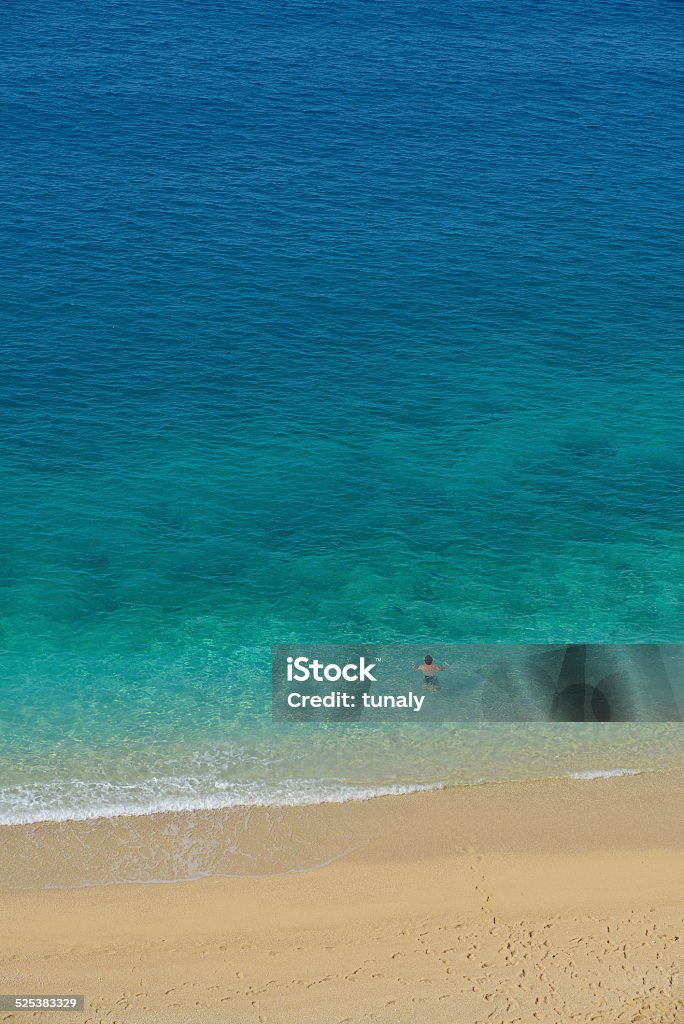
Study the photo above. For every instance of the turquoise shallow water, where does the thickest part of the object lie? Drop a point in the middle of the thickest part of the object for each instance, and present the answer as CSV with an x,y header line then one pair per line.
x,y
332,325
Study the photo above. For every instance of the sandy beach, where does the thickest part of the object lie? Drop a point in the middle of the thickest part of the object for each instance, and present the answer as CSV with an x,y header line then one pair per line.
x,y
556,901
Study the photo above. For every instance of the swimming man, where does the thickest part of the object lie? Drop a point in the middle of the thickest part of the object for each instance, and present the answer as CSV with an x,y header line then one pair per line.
x,y
429,670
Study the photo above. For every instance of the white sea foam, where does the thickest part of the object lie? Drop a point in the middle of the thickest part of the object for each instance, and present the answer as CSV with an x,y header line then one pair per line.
x,y
605,773
83,801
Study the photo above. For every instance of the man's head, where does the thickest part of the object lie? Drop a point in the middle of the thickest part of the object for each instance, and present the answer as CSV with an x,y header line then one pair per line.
x,y
428,659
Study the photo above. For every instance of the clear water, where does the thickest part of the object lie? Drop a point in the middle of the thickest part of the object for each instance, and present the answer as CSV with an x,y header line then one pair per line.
x,y
348,323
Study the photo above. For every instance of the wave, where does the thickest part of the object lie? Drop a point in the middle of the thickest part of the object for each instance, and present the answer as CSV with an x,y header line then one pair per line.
x,y
84,801
605,773
80,800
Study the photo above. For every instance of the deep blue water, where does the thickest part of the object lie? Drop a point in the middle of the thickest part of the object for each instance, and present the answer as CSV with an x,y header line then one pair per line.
x,y
325,322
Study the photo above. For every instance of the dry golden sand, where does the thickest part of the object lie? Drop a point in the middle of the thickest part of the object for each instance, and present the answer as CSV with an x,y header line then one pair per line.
x,y
557,902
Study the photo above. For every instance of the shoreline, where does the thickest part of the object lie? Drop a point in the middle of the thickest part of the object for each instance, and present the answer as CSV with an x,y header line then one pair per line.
x,y
353,793
231,841
266,769
242,841
488,902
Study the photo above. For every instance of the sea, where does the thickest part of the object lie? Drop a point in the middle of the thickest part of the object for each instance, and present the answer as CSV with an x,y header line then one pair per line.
x,y
349,322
